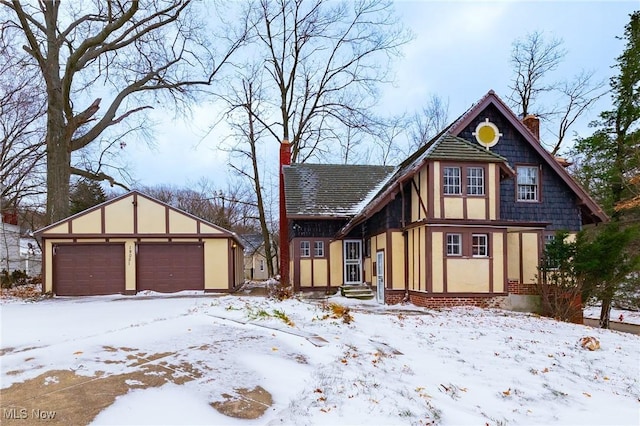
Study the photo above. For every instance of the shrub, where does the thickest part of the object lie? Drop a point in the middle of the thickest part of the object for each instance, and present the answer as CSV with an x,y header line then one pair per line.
x,y
15,278
558,287
280,292
5,279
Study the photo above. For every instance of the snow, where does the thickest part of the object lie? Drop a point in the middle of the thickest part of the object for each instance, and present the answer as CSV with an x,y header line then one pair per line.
x,y
390,365
617,315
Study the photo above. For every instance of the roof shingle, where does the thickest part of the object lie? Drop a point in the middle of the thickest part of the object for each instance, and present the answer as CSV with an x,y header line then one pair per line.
x,y
330,190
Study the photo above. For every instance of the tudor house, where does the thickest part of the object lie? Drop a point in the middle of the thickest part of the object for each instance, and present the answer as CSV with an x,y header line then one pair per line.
x,y
462,221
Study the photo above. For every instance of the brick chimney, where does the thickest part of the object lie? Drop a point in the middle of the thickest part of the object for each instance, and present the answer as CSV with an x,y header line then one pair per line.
x,y
533,124
285,160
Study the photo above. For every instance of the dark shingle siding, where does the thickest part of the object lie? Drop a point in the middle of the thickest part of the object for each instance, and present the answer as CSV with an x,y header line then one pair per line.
x,y
558,204
315,228
390,217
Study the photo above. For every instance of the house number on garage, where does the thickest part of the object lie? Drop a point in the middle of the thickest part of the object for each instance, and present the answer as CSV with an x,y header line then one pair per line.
x,y
130,256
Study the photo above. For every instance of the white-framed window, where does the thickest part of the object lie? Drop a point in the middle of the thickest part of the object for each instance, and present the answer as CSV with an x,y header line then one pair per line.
x,y
548,239
305,249
528,183
475,180
480,245
454,245
318,249
261,265
451,183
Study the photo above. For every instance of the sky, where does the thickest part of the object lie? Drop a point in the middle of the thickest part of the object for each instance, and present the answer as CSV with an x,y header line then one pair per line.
x,y
186,358
460,51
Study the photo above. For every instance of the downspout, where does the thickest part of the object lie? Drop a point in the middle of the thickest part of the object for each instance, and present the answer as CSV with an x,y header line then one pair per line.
x,y
405,238
285,160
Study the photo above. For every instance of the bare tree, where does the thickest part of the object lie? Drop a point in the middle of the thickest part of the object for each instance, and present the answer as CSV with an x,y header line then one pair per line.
x,y
324,62
132,52
312,78
576,97
230,208
429,121
22,109
386,135
533,58
245,100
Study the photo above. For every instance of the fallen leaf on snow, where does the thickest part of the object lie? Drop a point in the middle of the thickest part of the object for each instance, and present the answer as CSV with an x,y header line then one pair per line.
x,y
590,343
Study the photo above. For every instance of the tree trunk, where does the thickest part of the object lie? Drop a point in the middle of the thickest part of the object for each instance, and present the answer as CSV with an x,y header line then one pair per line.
x,y
605,312
58,174
58,157
58,140
266,236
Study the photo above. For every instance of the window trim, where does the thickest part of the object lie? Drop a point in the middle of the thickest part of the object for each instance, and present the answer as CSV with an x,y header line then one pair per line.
x,y
449,244
446,185
464,170
305,248
538,185
483,186
484,246
318,249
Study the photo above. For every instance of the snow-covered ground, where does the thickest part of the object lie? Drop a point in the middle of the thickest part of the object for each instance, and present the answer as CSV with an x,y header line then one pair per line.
x,y
390,365
619,315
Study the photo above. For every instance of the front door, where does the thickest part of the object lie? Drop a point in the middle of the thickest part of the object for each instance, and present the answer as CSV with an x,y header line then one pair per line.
x,y
352,262
380,276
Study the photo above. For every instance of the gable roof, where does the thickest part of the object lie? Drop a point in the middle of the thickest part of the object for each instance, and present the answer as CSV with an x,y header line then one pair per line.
x,y
330,190
448,146
442,147
208,228
589,207
251,242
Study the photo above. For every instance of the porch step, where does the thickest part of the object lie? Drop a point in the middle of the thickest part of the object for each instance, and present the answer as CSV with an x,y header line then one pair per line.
x,y
363,292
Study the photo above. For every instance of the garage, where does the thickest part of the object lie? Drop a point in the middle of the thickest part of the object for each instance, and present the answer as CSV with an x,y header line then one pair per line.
x,y
88,269
172,267
135,243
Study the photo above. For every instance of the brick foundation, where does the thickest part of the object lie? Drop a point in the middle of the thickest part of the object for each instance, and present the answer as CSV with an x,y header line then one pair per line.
x,y
516,287
445,301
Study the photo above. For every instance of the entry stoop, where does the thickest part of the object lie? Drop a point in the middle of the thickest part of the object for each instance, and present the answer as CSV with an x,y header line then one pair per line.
x,y
363,292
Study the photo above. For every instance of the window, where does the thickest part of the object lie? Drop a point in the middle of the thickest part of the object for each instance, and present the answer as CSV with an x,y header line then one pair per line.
x,y
318,249
261,265
475,181
451,184
528,183
548,239
479,245
305,249
454,245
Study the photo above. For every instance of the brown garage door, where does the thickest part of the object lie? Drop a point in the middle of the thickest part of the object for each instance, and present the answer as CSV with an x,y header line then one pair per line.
x,y
88,269
170,267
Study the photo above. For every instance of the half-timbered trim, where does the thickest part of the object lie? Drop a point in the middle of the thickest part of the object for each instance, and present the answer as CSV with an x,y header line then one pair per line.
x,y
447,219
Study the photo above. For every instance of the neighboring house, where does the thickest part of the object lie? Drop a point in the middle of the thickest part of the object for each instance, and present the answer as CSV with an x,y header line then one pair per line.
x,y
18,251
255,261
462,221
134,243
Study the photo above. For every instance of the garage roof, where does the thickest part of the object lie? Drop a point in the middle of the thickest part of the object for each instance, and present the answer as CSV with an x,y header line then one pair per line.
x,y
135,214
